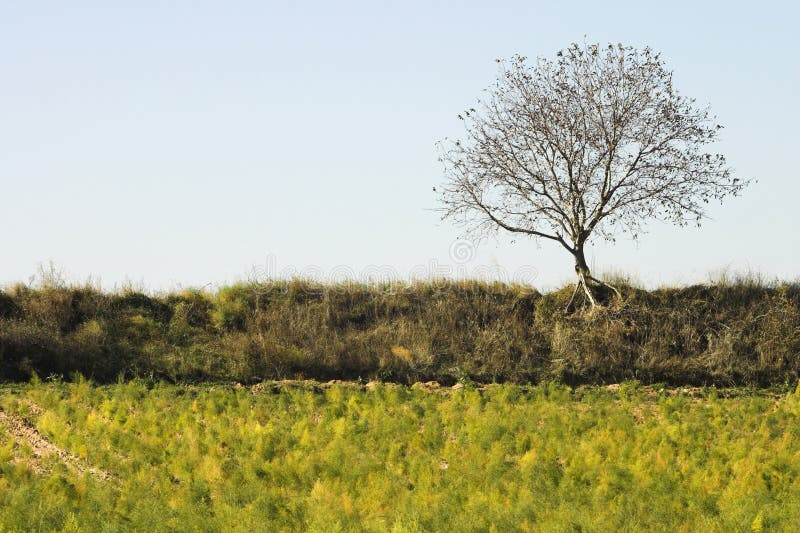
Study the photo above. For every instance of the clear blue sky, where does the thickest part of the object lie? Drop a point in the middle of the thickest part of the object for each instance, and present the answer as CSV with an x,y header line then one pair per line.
x,y
187,142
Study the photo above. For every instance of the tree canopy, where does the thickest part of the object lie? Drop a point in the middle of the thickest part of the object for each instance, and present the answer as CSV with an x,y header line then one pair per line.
x,y
592,143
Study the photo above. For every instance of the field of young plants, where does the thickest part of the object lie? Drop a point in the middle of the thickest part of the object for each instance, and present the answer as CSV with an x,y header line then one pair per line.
x,y
304,456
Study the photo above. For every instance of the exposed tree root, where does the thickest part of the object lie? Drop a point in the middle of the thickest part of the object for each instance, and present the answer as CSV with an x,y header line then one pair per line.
x,y
606,284
571,304
585,282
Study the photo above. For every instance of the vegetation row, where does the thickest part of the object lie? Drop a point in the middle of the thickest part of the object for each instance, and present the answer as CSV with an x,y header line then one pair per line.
x,y
147,456
727,333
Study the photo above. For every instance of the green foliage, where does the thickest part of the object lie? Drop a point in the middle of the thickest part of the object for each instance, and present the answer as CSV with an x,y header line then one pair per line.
x,y
300,456
731,332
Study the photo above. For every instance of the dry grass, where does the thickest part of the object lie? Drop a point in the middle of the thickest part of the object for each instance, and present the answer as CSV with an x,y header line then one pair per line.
x,y
731,332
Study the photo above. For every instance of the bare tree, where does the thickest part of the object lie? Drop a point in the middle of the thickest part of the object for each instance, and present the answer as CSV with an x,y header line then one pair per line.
x,y
590,144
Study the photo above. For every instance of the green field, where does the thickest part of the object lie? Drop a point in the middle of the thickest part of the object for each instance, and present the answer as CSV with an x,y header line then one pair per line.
x,y
297,456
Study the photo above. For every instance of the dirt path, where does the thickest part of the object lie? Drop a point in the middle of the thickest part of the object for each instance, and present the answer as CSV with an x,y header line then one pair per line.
x,y
24,433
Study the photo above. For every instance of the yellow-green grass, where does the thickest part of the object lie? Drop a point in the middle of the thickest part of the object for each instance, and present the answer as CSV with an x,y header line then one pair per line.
x,y
306,457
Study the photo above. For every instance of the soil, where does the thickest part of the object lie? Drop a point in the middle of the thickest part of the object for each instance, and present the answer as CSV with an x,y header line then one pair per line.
x,y
24,433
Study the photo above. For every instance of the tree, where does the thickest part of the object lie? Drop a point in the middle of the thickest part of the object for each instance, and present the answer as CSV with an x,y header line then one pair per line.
x,y
590,144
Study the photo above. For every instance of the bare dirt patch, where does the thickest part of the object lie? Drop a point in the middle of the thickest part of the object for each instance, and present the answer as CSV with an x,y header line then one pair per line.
x,y
24,433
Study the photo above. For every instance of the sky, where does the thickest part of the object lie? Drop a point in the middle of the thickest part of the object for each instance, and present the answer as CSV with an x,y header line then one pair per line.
x,y
193,143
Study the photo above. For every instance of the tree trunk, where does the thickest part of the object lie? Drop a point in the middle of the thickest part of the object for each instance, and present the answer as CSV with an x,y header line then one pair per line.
x,y
584,275
584,279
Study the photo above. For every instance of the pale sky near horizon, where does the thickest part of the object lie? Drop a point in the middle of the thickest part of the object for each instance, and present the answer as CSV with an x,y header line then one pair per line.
x,y
187,143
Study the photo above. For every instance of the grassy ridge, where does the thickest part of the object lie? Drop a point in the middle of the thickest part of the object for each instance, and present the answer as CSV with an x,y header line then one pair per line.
x,y
727,333
301,457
